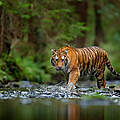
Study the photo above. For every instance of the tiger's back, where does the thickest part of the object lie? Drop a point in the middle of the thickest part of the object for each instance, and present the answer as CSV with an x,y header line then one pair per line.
x,y
82,61
91,60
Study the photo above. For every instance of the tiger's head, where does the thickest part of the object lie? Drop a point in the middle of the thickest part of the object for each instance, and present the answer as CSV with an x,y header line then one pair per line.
x,y
60,59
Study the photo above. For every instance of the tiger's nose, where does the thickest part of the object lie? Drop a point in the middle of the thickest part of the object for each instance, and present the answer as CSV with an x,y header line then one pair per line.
x,y
59,68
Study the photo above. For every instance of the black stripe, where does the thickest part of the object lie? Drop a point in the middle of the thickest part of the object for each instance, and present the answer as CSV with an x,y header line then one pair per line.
x,y
84,63
108,65
101,60
114,73
88,63
98,57
94,72
78,56
97,74
93,49
100,79
92,58
81,73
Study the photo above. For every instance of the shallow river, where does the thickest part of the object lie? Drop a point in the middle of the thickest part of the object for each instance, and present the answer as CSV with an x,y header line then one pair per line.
x,y
47,104
52,109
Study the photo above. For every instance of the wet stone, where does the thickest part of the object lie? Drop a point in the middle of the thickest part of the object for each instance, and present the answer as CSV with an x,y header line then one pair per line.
x,y
1,95
55,91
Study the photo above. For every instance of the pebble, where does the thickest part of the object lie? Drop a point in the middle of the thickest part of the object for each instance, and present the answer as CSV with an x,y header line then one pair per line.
x,y
54,91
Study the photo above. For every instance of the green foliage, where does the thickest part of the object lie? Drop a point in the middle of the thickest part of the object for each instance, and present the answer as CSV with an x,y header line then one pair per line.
x,y
1,3
73,31
18,68
29,70
32,71
5,76
110,11
9,69
64,26
25,9
53,23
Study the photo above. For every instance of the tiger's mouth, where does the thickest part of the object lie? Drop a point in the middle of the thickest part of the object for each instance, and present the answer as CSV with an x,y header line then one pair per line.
x,y
59,68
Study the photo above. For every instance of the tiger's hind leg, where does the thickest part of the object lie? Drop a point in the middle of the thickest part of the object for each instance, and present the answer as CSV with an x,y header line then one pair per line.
x,y
101,83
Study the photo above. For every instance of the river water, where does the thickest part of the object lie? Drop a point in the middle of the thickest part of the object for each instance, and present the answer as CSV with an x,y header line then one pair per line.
x,y
53,109
51,103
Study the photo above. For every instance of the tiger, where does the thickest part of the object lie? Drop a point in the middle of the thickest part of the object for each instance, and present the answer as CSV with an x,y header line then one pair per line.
x,y
80,62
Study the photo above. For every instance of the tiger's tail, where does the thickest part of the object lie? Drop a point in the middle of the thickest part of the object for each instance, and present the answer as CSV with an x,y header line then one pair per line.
x,y
111,69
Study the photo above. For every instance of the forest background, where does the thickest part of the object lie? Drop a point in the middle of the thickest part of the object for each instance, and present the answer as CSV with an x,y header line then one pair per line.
x,y
30,28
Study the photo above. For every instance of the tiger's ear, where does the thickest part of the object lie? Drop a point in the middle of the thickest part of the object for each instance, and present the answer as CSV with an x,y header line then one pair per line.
x,y
66,51
53,51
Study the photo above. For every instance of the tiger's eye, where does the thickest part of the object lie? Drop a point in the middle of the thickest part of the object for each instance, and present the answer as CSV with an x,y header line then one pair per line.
x,y
56,57
62,58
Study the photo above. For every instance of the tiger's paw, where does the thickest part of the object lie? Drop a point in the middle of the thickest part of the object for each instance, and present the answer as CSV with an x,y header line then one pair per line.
x,y
71,86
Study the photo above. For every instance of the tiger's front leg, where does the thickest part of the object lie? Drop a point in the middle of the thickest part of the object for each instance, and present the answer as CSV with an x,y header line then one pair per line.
x,y
73,77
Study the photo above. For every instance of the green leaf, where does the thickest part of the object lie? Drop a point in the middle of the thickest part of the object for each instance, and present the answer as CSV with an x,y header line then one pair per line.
x,y
80,0
25,16
1,3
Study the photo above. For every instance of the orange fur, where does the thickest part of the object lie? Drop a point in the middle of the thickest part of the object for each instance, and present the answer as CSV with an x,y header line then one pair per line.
x,y
82,61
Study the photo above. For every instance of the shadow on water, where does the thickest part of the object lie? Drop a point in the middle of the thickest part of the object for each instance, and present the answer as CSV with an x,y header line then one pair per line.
x,y
62,109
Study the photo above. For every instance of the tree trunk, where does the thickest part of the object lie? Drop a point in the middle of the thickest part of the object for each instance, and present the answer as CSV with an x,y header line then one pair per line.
x,y
99,33
1,32
31,34
81,9
5,33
